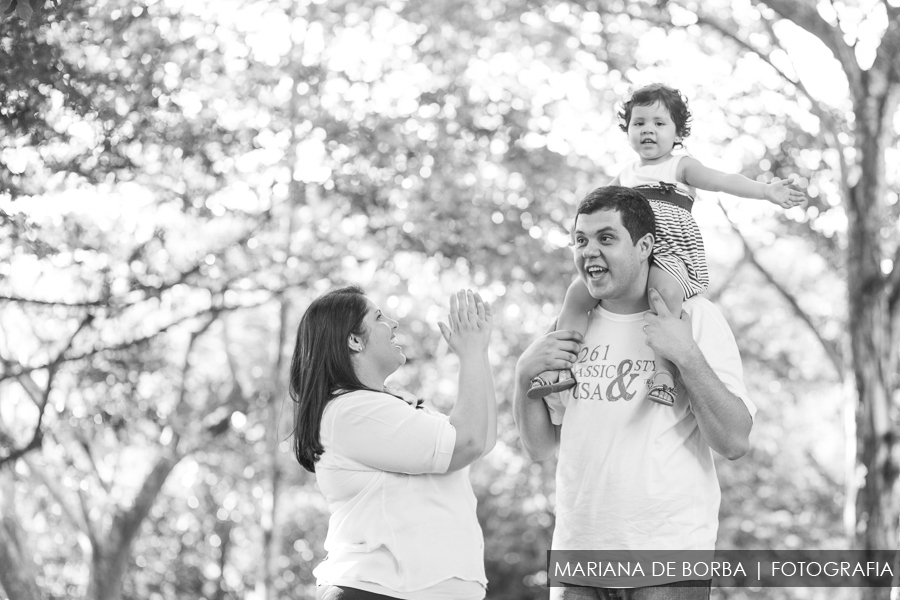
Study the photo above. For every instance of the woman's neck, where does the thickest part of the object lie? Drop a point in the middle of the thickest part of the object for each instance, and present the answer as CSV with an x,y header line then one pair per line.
x,y
368,375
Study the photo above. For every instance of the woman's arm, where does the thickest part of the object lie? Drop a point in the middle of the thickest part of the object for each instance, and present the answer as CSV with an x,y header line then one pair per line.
x,y
468,334
470,413
383,432
491,396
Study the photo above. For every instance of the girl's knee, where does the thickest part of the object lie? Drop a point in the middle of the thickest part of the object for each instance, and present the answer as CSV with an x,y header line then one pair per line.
x,y
669,288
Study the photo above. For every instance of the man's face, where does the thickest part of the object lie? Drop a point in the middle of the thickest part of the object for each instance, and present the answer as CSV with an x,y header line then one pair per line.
x,y
612,267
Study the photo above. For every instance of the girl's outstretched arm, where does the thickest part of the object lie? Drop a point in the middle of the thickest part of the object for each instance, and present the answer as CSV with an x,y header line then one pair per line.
x,y
692,172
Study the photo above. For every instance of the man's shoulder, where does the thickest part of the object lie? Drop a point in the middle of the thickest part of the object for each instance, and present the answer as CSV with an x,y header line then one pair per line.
x,y
701,306
706,316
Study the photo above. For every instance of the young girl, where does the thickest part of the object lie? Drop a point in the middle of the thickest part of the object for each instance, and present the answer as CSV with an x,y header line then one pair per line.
x,y
657,119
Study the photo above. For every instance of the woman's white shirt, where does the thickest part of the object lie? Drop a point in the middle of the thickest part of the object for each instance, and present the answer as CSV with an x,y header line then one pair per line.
x,y
399,522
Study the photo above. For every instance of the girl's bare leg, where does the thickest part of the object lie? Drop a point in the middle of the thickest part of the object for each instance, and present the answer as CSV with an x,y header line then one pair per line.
x,y
574,316
662,383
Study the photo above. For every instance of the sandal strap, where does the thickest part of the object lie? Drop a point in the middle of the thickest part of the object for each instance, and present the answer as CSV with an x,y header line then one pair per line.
x,y
538,381
662,393
651,383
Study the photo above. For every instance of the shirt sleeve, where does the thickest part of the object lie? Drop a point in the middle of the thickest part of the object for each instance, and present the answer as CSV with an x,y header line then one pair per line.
x,y
716,341
385,433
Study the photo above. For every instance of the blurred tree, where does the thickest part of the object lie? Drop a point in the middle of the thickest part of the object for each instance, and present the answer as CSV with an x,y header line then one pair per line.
x,y
23,9
175,167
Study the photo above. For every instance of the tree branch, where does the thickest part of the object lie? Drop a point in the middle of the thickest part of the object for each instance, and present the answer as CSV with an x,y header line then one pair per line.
x,y
715,295
229,355
831,349
41,397
18,369
52,485
889,50
93,529
150,291
21,300
126,523
892,285
828,120
722,27
805,16
90,456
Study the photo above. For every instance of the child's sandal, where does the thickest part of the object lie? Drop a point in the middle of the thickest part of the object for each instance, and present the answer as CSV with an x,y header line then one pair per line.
x,y
540,387
660,392
566,381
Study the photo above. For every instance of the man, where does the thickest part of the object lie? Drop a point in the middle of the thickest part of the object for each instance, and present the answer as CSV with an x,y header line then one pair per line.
x,y
633,474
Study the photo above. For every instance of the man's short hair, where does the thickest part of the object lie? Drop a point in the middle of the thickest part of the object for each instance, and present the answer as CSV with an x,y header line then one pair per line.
x,y
633,208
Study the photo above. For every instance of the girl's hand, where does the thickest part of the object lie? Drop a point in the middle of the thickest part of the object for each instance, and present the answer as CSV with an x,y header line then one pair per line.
x,y
470,325
779,193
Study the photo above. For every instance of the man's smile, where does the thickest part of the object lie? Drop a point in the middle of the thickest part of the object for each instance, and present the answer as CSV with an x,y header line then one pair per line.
x,y
595,271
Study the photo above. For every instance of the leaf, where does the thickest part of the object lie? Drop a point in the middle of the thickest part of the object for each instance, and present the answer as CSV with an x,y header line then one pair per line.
x,y
7,6
24,10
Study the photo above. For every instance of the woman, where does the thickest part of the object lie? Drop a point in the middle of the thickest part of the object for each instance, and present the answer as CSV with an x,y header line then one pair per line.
x,y
402,509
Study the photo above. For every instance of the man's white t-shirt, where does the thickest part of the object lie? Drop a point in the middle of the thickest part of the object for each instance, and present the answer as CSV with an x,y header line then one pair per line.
x,y
633,474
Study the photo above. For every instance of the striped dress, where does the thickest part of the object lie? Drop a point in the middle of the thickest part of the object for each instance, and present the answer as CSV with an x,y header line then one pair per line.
x,y
678,248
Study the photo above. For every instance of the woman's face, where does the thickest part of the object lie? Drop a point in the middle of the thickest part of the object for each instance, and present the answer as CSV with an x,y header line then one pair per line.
x,y
381,349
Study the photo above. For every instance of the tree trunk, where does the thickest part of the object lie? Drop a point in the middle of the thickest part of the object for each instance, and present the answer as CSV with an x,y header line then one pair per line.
x,y
870,326
272,536
17,568
272,531
110,557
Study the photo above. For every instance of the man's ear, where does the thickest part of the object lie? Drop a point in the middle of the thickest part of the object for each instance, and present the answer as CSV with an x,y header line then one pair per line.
x,y
355,343
645,245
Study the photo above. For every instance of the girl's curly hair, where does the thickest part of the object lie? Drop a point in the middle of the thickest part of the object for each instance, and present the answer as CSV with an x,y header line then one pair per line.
x,y
672,99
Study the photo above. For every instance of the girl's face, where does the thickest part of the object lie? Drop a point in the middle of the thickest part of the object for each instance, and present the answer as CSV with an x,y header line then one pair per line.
x,y
652,133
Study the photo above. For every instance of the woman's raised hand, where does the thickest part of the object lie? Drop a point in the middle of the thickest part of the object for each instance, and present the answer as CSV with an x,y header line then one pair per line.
x,y
470,320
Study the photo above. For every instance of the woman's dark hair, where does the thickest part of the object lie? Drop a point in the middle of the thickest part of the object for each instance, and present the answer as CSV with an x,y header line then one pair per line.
x,y
321,366
672,99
